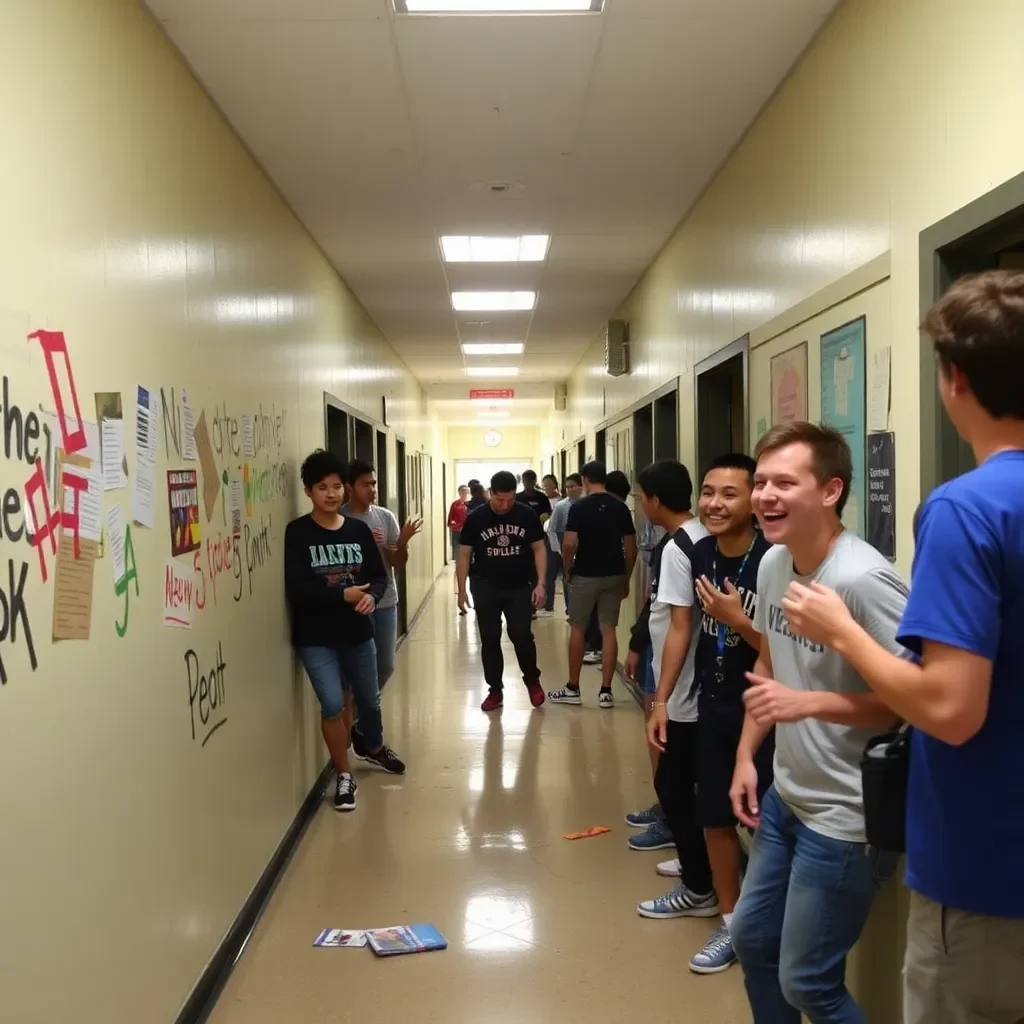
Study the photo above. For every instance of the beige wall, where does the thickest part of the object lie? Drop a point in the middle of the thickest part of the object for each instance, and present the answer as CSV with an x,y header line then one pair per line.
x,y
137,224
895,117
516,443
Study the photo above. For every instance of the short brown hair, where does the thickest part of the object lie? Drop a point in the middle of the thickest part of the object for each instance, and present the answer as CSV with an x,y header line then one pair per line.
x,y
830,454
978,327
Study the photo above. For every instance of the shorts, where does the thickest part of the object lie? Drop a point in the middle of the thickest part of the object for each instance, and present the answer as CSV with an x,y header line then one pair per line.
x,y
650,684
717,741
336,672
601,592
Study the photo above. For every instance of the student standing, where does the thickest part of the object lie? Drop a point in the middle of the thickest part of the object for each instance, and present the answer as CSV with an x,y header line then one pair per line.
x,y
598,555
811,878
477,497
725,567
334,576
502,554
555,532
538,501
394,547
457,513
666,492
963,696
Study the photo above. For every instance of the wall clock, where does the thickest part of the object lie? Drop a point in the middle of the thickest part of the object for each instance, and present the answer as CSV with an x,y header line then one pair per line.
x,y
492,438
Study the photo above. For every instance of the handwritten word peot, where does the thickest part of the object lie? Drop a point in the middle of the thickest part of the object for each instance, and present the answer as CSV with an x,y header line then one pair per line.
x,y
206,695
12,611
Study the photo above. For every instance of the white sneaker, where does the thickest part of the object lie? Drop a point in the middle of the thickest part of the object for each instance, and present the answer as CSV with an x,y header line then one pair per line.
x,y
605,699
543,613
592,658
670,869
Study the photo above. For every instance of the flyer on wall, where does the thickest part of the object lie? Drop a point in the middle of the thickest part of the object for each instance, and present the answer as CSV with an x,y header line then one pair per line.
x,y
842,405
183,501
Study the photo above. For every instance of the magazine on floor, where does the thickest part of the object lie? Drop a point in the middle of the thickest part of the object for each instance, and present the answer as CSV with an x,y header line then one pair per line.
x,y
413,938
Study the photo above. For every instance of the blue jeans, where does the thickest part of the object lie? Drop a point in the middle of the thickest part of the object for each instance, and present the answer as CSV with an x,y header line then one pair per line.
x,y
650,683
385,629
332,672
804,902
553,573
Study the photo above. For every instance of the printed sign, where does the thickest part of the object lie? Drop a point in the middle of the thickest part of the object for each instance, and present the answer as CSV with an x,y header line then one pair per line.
x,y
183,501
882,493
490,395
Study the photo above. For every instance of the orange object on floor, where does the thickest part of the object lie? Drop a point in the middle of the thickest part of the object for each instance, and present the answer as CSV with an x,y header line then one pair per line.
x,y
587,833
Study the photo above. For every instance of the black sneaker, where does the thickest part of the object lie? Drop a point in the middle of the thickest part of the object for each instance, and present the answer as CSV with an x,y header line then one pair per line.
x,y
358,745
387,760
345,793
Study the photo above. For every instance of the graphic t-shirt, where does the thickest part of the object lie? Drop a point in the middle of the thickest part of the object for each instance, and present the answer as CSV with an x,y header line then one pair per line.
x,y
965,804
672,587
817,764
318,565
474,503
502,544
537,500
384,526
600,522
721,678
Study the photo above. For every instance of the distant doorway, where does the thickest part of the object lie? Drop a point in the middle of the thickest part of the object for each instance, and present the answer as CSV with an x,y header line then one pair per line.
x,y
721,404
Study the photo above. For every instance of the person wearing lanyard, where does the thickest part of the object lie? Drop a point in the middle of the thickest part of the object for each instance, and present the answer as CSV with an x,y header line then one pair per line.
x,y
725,569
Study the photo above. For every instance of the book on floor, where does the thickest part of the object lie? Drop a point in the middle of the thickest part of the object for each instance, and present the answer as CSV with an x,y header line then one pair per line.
x,y
413,938
338,938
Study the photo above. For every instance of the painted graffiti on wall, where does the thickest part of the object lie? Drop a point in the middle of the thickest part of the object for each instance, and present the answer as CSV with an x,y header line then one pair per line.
x,y
207,695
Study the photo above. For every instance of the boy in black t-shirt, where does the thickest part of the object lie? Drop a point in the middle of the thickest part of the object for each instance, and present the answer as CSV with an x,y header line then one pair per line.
x,y
725,578
333,578
502,553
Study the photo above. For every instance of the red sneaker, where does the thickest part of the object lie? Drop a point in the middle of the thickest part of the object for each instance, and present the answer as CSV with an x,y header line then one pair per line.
x,y
536,692
492,702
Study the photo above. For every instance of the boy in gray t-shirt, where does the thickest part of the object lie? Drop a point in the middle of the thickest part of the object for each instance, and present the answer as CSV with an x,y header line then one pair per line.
x,y
811,880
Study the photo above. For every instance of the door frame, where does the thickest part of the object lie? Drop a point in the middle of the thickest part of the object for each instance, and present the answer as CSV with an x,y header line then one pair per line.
x,y
977,217
741,346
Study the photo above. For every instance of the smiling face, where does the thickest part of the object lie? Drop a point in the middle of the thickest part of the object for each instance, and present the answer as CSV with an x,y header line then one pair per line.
x,y
788,499
725,501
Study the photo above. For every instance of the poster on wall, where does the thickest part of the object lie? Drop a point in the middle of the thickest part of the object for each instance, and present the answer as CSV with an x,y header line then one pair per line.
x,y
842,404
789,384
183,501
110,416
882,493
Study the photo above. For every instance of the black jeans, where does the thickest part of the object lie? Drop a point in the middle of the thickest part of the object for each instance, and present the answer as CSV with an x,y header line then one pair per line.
x,y
492,600
675,784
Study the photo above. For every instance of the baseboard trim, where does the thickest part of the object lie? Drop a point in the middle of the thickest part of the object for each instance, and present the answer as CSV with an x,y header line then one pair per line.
x,y
634,689
416,617
211,982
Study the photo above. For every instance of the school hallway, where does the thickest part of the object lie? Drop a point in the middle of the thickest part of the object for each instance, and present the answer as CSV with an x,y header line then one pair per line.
x,y
540,929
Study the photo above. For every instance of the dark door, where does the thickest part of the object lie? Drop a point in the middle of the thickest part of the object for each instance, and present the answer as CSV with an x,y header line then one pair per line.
x,y
364,441
721,412
643,437
601,447
381,465
564,468
666,426
403,514
581,455
337,433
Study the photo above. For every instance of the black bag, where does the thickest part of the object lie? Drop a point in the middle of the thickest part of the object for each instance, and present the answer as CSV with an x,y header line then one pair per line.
x,y
885,773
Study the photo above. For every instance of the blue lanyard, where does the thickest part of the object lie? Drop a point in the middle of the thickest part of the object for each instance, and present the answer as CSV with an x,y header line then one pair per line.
x,y
723,629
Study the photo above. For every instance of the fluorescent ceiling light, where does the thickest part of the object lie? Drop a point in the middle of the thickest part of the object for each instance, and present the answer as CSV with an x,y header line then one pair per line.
x,y
498,6
493,302
496,249
492,371
494,402
493,415
493,348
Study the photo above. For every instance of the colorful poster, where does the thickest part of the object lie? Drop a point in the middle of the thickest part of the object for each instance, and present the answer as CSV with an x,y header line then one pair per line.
x,y
183,500
789,385
843,404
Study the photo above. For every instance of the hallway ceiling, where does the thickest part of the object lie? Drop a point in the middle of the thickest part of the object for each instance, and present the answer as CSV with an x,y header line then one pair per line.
x,y
384,131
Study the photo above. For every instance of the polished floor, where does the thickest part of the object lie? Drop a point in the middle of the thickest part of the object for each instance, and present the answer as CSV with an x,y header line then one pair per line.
x,y
541,930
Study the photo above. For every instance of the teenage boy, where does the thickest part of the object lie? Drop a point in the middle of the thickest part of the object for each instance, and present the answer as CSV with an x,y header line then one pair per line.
x,y
477,497
725,567
656,834
503,555
394,548
334,576
598,555
530,496
963,697
666,492
811,878
556,531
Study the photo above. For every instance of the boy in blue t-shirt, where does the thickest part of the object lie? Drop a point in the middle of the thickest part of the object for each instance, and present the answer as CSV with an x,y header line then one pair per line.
x,y
964,695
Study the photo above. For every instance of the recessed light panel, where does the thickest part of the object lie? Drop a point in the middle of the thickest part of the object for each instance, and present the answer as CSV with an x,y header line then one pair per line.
x,y
499,6
493,348
494,248
493,302
492,371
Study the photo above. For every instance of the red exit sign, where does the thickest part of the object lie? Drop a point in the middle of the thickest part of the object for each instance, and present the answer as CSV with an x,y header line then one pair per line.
x,y
491,394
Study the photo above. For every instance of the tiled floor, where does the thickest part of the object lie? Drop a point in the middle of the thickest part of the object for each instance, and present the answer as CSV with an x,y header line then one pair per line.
x,y
541,930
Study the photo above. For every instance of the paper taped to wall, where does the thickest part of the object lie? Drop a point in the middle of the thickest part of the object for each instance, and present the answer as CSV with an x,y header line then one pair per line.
x,y
144,496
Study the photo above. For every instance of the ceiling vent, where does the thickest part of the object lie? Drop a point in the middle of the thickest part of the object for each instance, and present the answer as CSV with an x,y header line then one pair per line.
x,y
616,348
561,396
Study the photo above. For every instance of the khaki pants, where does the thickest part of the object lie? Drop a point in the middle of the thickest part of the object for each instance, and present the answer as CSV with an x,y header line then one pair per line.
x,y
962,968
